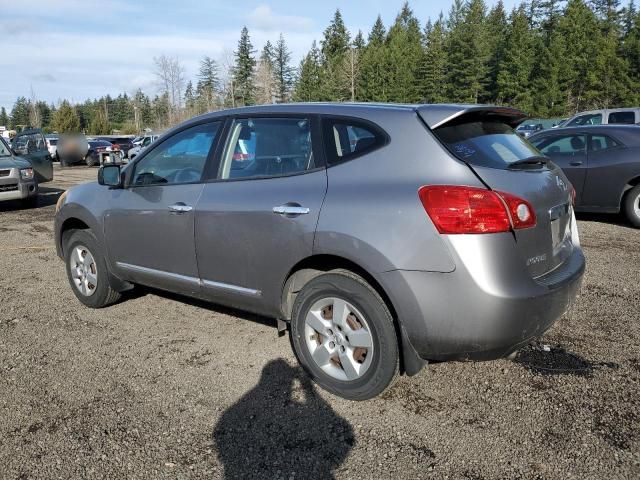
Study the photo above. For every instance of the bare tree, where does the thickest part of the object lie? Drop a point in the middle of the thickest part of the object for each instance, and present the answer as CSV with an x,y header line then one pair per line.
x,y
171,80
350,71
228,83
265,82
35,119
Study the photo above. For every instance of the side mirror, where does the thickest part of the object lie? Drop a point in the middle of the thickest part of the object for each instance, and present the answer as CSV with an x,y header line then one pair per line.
x,y
110,176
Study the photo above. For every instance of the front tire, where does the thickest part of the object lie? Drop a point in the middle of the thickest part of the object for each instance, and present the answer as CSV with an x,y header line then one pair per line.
x,y
87,271
632,206
90,161
343,335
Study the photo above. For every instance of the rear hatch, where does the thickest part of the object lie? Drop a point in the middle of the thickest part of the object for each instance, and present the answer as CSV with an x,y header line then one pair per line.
x,y
484,139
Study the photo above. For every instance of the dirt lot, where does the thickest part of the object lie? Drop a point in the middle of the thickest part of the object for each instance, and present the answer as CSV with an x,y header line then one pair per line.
x,y
162,387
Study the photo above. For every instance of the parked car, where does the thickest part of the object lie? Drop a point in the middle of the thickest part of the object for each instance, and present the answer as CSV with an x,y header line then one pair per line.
x,y
96,147
18,176
144,143
627,116
377,258
120,143
30,144
602,163
52,146
527,129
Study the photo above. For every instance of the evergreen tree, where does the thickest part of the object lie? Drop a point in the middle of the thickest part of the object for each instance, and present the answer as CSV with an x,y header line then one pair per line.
x,y
513,81
335,43
282,70
631,52
497,45
66,119
579,29
243,71
404,60
190,100
20,113
309,85
265,78
4,118
100,123
208,84
373,81
434,70
468,53
358,42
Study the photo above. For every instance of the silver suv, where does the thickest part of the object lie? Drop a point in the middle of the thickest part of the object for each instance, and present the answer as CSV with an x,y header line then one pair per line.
x,y
380,236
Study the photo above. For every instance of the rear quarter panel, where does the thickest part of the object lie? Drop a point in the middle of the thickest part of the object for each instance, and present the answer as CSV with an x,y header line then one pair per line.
x,y
372,214
607,176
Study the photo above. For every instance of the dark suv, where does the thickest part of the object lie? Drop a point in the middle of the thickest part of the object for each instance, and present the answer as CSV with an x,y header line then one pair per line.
x,y
381,236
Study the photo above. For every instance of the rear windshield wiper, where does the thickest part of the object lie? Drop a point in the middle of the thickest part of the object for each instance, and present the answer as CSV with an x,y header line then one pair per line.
x,y
537,161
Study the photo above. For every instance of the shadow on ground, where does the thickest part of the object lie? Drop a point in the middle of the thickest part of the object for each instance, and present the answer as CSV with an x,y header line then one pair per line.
x,y
555,360
607,218
48,196
282,429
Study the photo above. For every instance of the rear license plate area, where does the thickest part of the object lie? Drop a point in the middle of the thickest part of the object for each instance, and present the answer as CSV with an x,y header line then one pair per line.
x,y
560,217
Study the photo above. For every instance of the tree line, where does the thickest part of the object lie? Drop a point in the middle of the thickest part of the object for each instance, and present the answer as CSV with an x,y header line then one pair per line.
x,y
547,57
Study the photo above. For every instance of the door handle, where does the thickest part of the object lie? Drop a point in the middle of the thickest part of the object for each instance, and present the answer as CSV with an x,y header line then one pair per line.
x,y
290,210
180,207
575,163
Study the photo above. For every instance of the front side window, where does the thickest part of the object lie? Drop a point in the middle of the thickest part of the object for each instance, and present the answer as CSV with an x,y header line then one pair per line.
x,y
4,149
267,147
346,139
589,119
622,117
563,145
181,158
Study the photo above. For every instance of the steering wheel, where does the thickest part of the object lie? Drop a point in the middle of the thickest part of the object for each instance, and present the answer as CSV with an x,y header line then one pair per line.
x,y
187,175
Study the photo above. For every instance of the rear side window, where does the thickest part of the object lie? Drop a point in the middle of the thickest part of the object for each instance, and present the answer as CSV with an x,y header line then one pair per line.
x,y
602,142
346,139
485,143
622,117
268,147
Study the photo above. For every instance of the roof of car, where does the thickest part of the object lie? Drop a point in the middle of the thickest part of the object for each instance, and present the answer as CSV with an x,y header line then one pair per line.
x,y
629,134
434,115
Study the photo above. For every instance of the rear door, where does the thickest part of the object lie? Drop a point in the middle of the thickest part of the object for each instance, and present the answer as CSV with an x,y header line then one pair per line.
x,y
506,162
31,145
607,173
569,152
258,216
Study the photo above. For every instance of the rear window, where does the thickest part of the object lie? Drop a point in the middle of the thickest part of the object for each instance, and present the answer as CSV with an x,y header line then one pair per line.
x,y
622,117
588,119
485,143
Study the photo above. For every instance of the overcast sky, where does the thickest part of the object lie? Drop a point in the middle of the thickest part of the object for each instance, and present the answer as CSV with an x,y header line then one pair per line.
x,y
79,49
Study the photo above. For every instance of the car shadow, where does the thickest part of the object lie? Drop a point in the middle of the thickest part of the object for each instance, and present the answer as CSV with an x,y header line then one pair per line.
x,y
608,218
47,197
555,360
140,291
282,429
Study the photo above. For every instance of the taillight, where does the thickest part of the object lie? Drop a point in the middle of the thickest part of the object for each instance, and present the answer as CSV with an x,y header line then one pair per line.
x,y
461,209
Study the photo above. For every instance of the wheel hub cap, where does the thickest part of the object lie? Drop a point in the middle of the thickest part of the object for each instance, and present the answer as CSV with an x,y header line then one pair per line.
x,y
339,339
84,272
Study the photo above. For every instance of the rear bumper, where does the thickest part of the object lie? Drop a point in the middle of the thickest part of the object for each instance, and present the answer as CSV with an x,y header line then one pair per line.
x,y
453,316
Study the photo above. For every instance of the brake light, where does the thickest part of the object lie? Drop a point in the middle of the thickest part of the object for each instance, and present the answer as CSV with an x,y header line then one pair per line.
x,y
460,209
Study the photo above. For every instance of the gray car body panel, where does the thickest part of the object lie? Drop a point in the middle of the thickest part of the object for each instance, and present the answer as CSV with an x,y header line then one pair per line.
x,y
455,296
12,165
600,178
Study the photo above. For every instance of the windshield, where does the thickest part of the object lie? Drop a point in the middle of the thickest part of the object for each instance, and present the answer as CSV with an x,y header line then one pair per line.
x,y
486,143
4,149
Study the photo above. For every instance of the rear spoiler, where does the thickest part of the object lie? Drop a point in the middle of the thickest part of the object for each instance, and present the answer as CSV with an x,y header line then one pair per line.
x,y
438,115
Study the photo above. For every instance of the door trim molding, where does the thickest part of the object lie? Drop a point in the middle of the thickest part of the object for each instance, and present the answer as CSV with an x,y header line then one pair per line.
x,y
189,280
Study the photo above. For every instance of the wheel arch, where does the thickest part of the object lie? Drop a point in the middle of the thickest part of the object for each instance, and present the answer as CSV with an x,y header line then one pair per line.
x,y
310,267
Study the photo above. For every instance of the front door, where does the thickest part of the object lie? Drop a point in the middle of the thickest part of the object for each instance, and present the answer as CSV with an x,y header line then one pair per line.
x,y
569,152
258,218
149,227
31,145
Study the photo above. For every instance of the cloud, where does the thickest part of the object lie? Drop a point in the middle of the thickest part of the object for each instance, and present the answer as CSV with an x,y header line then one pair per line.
x,y
43,77
263,18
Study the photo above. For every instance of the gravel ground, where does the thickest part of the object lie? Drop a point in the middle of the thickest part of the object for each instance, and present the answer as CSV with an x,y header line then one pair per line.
x,y
165,387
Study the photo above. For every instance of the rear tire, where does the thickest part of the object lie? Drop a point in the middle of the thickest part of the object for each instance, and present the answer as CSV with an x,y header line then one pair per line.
x,y
354,354
87,271
632,206
90,161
